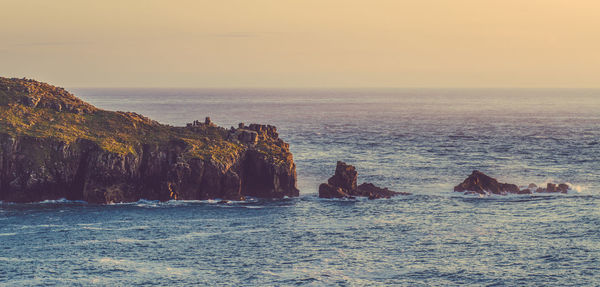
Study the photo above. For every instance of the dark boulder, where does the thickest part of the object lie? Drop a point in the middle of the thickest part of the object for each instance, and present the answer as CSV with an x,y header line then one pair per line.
x,y
554,188
329,191
343,184
524,191
480,183
345,176
483,184
563,187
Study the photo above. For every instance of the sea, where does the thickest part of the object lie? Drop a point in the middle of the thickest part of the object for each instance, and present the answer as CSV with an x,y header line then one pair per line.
x,y
422,141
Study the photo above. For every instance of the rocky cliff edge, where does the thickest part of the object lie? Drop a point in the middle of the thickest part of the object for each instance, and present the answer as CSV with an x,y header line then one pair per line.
x,y
54,145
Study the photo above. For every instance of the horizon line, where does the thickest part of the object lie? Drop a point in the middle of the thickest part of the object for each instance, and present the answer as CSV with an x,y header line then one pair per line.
x,y
334,88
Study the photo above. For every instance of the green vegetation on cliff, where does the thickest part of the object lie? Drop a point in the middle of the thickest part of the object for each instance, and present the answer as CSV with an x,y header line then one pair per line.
x,y
35,109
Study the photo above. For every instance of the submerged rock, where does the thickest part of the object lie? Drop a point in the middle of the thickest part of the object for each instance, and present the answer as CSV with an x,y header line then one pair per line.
x,y
343,184
373,192
54,145
480,183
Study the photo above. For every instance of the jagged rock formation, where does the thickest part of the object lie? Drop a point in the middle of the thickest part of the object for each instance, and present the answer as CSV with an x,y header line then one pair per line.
x,y
480,183
343,184
53,145
550,187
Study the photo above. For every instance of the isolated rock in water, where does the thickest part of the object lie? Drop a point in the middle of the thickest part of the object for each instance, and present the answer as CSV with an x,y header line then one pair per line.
x,y
345,176
524,191
552,188
54,145
481,183
343,184
563,187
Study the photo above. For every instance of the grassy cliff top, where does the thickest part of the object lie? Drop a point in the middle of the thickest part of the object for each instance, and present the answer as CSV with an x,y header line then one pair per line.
x,y
31,108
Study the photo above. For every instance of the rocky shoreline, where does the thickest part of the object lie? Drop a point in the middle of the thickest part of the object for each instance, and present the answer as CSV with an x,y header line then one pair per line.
x,y
53,145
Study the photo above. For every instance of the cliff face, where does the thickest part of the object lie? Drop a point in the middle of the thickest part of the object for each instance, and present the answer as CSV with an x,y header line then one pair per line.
x,y
53,145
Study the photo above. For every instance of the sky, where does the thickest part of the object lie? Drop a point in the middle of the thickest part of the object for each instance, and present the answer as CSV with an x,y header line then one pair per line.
x,y
303,44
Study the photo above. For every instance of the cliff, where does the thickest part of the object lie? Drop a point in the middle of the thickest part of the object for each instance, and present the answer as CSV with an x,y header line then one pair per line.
x,y
54,145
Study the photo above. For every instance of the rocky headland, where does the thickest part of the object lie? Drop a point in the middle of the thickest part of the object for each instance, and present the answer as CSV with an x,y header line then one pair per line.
x,y
480,183
343,184
54,145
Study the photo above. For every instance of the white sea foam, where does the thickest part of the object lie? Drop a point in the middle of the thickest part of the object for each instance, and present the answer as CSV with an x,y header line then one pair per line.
x,y
181,202
147,203
577,188
60,200
156,203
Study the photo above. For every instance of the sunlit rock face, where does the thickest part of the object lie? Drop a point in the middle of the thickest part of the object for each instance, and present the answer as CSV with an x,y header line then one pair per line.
x,y
53,145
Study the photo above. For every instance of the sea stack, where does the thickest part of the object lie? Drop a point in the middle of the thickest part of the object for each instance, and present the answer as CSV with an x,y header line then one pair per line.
x,y
343,184
480,183
54,145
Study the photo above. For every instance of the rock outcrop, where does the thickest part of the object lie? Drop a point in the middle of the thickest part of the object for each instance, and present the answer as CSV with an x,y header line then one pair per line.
x,y
480,183
53,145
343,184
552,188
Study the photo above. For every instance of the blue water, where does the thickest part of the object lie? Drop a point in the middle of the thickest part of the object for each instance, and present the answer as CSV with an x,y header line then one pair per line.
x,y
420,141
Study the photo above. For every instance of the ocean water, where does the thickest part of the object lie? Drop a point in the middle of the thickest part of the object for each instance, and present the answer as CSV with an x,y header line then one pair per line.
x,y
420,141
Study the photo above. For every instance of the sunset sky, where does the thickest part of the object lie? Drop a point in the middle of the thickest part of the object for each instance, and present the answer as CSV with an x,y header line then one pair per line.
x,y
305,43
